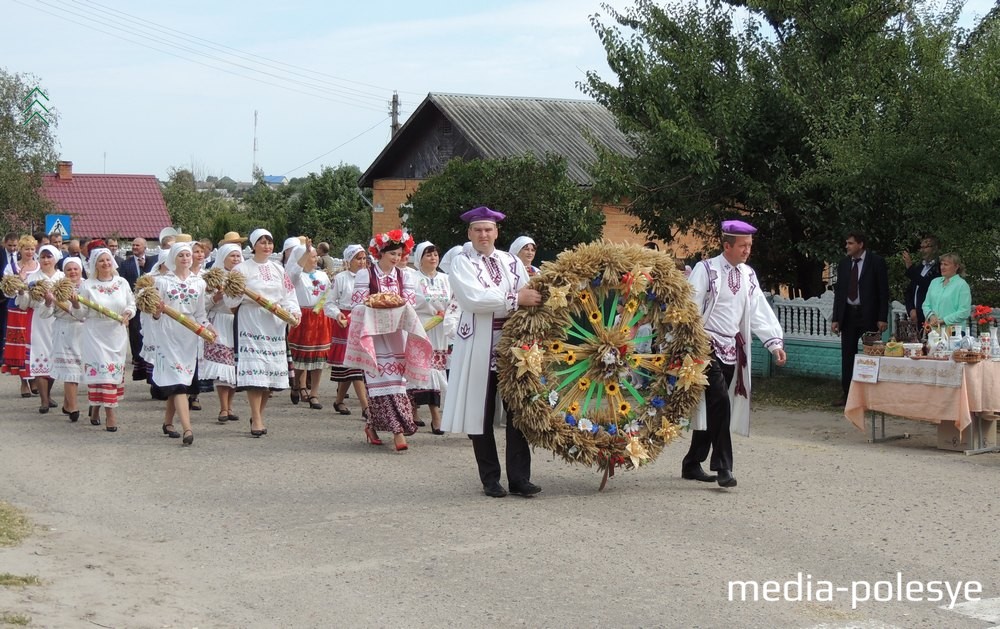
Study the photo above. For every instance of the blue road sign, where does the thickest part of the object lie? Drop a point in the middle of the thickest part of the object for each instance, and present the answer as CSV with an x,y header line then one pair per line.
x,y
58,223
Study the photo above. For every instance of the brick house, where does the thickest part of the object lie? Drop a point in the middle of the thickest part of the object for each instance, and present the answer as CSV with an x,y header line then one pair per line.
x,y
490,127
107,205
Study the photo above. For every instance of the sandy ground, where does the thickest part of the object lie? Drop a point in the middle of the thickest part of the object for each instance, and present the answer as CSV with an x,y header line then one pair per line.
x,y
311,527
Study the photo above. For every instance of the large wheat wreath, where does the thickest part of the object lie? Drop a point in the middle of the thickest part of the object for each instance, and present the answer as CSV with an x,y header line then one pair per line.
x,y
570,368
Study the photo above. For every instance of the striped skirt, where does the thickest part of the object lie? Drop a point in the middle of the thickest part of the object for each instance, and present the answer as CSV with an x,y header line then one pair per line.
x,y
338,348
309,341
18,342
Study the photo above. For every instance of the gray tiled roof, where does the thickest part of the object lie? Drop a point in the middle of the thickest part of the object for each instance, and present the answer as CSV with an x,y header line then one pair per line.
x,y
503,126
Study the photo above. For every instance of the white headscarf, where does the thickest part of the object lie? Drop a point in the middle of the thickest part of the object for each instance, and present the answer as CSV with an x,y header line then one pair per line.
x,y
418,252
519,243
92,263
51,249
350,251
171,260
223,252
445,263
296,254
256,234
74,260
290,243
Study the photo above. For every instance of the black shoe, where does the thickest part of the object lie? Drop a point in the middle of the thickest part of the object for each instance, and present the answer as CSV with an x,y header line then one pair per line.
x,y
494,490
52,404
525,488
726,479
842,402
111,428
437,431
188,438
695,472
168,430
74,416
419,423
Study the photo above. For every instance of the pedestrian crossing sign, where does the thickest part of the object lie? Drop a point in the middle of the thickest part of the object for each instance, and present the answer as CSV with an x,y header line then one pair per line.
x,y
58,224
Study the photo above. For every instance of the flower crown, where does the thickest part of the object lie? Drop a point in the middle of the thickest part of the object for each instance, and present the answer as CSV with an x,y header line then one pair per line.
x,y
391,237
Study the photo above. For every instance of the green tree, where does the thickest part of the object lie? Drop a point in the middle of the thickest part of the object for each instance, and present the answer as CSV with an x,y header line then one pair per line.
x,y
810,118
262,206
193,211
27,151
537,196
328,207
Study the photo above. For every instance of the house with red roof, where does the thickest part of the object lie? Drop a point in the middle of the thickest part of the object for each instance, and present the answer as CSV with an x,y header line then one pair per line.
x,y
104,205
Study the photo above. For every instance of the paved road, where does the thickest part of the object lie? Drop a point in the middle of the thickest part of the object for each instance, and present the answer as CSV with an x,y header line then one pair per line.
x,y
311,527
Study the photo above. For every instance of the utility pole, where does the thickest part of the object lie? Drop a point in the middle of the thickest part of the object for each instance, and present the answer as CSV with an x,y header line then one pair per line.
x,y
253,171
394,112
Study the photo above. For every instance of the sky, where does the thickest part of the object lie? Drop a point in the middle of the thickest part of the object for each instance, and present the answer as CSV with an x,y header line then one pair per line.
x,y
144,87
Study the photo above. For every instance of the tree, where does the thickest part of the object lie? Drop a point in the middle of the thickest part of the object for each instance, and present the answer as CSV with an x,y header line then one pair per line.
x,y
810,118
328,207
27,151
194,212
537,196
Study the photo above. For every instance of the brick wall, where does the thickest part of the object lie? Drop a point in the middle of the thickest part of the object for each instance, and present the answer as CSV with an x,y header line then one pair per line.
x,y
390,194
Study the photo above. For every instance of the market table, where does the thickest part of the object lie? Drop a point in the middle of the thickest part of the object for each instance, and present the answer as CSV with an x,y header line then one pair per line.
x,y
941,392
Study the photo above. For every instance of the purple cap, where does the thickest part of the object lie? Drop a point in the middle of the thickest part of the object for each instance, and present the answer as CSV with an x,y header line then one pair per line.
x,y
482,214
737,228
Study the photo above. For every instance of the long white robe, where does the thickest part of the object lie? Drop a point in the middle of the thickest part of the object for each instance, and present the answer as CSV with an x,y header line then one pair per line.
x,y
178,349
67,363
261,357
104,341
482,299
433,296
41,327
709,279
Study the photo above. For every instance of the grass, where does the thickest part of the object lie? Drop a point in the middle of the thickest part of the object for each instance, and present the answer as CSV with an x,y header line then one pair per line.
x,y
798,393
12,580
14,526
14,619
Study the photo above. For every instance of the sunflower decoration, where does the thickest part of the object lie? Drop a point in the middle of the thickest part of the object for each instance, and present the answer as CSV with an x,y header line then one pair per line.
x,y
597,394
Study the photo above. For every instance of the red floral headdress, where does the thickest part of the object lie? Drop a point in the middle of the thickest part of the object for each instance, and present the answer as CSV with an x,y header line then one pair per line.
x,y
392,237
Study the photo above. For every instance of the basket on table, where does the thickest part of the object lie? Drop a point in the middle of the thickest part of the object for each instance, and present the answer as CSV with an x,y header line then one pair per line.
x,y
966,356
872,344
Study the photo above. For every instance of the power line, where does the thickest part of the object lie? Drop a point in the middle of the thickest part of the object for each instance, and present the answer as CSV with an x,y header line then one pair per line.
x,y
336,147
179,56
249,56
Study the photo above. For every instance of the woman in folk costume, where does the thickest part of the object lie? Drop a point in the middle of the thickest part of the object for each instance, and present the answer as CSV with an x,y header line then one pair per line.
x,y
433,302
199,252
148,351
40,354
310,340
67,363
261,361
104,341
524,248
338,306
388,404
15,353
175,366
219,361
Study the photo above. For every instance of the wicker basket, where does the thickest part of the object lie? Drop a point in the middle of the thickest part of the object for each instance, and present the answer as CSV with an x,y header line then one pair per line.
x,y
966,356
874,349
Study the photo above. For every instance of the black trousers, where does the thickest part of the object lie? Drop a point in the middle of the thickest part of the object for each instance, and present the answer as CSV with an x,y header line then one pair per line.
x,y
850,334
717,419
139,369
485,446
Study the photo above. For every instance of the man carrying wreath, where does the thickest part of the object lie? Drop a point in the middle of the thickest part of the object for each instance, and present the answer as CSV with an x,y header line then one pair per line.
x,y
489,285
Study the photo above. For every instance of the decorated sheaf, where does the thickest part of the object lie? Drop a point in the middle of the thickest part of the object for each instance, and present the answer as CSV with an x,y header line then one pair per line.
x,y
572,370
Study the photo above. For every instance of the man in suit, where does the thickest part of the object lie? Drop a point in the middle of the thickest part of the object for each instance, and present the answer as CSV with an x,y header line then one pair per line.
x,y
860,302
134,268
137,265
920,276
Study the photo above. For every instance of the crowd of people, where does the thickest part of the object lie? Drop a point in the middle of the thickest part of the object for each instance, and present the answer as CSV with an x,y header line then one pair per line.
x,y
196,317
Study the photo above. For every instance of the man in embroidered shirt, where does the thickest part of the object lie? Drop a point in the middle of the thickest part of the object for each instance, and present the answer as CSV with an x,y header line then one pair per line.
x,y
732,307
489,285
